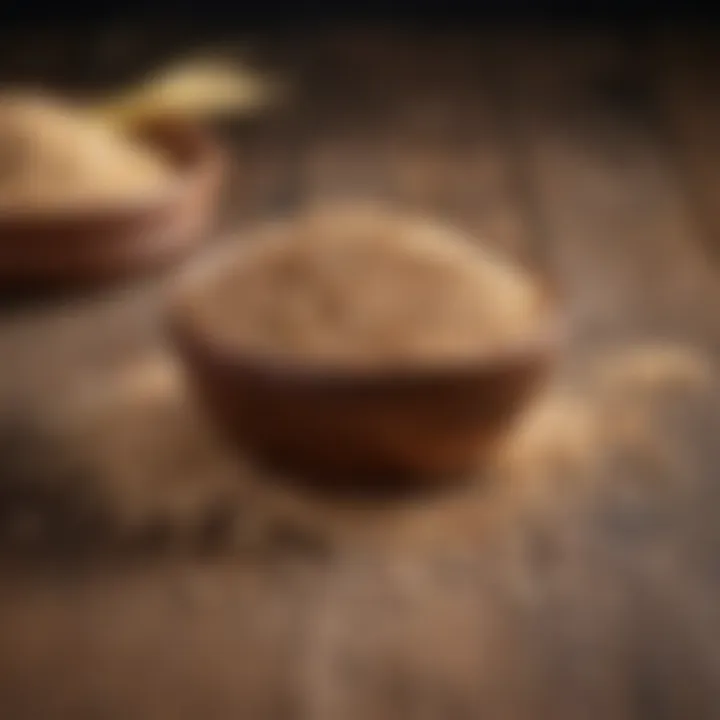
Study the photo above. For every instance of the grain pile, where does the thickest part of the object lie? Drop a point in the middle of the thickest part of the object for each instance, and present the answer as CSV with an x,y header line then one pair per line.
x,y
53,156
363,287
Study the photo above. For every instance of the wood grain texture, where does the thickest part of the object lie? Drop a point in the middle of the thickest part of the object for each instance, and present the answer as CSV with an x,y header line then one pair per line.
x,y
146,574
687,74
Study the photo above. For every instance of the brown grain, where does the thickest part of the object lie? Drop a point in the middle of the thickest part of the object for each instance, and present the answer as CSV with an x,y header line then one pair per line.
x,y
363,285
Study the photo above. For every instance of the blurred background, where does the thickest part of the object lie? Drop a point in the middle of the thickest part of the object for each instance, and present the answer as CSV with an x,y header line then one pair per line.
x,y
145,575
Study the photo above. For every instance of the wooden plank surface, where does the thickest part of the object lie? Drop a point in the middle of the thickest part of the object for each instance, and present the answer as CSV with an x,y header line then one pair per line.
x,y
146,574
686,68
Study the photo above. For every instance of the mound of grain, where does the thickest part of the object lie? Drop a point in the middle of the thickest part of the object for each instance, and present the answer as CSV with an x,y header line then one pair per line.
x,y
364,287
53,155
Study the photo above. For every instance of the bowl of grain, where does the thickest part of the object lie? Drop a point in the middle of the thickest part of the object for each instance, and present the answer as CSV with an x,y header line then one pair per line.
x,y
359,343
82,200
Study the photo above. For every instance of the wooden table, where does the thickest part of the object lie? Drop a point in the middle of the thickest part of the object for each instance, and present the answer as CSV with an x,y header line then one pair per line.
x,y
145,574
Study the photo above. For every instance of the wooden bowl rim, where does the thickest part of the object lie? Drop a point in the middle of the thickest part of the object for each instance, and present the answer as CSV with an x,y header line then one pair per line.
x,y
549,335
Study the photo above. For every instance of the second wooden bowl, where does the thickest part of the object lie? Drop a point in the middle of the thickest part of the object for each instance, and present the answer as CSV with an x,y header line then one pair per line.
x,y
87,245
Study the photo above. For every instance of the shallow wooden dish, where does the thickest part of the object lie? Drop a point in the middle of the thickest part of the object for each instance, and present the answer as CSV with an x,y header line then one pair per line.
x,y
87,245
343,425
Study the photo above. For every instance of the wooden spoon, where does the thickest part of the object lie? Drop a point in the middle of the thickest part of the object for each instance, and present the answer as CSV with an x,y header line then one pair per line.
x,y
193,90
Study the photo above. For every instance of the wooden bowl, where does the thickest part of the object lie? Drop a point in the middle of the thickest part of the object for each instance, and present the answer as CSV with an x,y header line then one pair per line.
x,y
86,245
342,425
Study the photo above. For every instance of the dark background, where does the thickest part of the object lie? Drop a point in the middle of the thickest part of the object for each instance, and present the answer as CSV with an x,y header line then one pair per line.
x,y
253,14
